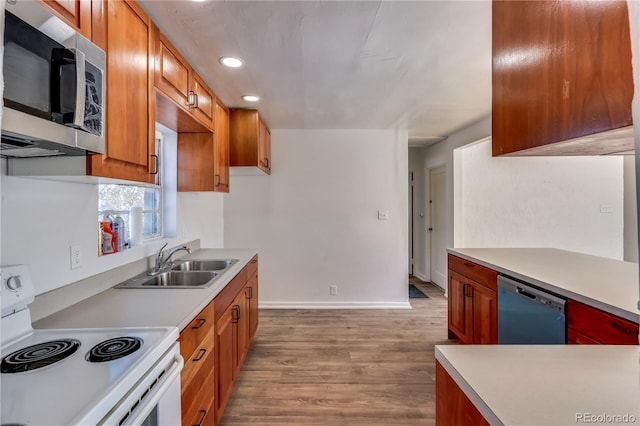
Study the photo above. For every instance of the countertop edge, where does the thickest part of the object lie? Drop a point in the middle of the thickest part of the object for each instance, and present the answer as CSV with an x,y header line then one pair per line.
x,y
623,313
466,388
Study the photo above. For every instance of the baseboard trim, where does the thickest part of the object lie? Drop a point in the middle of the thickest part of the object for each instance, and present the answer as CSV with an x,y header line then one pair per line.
x,y
334,305
421,277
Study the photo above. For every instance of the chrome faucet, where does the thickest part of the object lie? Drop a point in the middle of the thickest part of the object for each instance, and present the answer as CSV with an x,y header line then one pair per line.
x,y
163,262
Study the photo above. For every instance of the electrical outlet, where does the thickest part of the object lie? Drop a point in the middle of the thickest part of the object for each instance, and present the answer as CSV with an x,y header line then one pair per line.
x,y
333,290
76,257
383,214
606,208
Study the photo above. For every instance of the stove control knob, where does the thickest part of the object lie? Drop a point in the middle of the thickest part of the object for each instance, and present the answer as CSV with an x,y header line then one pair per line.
x,y
13,282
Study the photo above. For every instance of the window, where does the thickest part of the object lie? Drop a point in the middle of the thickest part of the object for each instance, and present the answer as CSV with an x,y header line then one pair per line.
x,y
117,200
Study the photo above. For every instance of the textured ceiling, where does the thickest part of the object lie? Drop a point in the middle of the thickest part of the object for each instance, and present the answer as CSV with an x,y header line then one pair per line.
x,y
420,65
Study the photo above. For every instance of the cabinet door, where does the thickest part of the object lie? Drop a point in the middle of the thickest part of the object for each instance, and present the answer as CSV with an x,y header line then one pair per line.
x,y
172,71
264,147
124,31
203,107
241,328
600,326
225,363
453,407
195,162
460,307
485,315
561,70
221,157
76,13
252,296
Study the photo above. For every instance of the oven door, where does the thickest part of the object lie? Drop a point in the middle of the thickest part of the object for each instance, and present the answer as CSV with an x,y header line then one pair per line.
x,y
155,400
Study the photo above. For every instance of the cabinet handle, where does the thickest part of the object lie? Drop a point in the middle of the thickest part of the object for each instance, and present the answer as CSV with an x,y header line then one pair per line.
x,y
192,99
156,163
621,328
236,318
204,414
201,322
250,292
254,261
468,264
218,180
466,289
200,355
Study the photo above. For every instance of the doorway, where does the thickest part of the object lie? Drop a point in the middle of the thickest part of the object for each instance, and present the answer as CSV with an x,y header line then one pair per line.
x,y
436,235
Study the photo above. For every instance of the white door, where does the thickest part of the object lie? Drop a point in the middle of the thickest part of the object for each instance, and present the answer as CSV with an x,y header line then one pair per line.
x,y
437,245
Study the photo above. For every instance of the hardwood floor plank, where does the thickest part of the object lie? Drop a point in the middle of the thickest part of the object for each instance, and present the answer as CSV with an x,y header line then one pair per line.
x,y
342,367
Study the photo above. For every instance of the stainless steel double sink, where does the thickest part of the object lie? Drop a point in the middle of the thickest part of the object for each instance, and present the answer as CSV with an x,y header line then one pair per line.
x,y
184,274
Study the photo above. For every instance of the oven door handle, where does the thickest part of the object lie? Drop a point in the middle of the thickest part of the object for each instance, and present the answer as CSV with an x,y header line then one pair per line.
x,y
150,401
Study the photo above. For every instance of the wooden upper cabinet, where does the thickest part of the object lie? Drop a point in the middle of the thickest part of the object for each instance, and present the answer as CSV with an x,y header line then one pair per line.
x,y
196,162
172,71
202,100
221,155
561,70
249,141
124,31
185,102
76,13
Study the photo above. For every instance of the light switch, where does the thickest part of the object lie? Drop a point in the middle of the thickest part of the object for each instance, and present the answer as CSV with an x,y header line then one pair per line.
x,y
383,214
606,208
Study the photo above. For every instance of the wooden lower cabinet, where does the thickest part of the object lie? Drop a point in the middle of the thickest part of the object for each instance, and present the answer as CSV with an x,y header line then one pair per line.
x,y
225,344
235,329
453,407
473,305
197,380
590,326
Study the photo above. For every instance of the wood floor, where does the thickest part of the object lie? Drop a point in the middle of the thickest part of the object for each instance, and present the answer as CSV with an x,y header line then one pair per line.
x,y
342,367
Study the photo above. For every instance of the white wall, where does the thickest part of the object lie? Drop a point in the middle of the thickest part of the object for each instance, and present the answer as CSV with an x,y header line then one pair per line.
x,y
630,210
442,154
541,202
41,219
315,219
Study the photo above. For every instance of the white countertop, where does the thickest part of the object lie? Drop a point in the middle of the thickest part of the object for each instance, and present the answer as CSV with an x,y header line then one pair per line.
x,y
546,384
148,307
607,284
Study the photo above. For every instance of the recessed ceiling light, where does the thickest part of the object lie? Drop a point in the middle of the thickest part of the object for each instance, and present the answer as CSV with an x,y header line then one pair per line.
x,y
231,62
251,98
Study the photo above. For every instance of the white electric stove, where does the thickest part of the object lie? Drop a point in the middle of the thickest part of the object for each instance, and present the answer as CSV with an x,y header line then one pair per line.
x,y
115,376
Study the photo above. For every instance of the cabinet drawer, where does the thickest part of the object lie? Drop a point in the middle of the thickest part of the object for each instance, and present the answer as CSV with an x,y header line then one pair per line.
x,y
600,326
480,274
192,336
225,297
202,411
195,374
576,338
252,267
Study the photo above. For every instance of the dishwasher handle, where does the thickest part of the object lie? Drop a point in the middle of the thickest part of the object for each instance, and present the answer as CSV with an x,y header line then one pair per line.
x,y
532,293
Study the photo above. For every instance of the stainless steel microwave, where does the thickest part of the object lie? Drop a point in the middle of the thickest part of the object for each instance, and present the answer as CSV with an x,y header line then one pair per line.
x,y
54,86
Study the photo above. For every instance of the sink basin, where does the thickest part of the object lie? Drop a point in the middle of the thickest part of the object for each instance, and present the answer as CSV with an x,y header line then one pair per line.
x,y
205,265
172,279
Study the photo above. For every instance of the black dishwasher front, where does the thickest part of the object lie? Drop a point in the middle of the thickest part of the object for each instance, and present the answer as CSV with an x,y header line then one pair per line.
x,y
529,315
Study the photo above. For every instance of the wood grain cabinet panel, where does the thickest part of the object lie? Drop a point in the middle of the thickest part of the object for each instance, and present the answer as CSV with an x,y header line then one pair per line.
x,y
473,311
453,407
235,328
172,71
197,380
185,102
561,70
124,31
196,155
249,140
76,13
221,157
588,325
